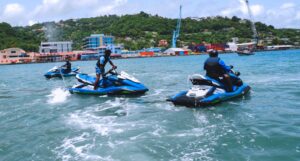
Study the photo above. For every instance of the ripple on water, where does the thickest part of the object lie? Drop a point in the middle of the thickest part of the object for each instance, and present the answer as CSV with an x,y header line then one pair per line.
x,y
102,118
77,148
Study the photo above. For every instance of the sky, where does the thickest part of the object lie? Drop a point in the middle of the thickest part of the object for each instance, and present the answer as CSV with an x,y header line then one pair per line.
x,y
279,13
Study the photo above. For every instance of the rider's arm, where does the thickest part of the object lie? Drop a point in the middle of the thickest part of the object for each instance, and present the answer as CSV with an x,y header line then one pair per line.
x,y
111,63
204,66
224,66
65,65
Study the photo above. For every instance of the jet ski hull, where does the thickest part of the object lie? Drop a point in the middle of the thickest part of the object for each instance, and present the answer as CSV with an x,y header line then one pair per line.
x,y
113,90
58,74
114,86
184,100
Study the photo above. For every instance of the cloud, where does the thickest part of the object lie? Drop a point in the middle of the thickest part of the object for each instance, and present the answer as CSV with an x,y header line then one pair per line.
x,y
287,6
31,22
284,14
106,9
234,10
13,9
13,13
298,15
257,10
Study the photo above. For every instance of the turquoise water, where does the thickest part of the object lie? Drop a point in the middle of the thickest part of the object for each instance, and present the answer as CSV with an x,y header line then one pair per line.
x,y
41,121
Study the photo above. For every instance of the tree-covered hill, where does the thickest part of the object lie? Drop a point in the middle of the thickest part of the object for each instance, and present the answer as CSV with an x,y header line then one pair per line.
x,y
141,31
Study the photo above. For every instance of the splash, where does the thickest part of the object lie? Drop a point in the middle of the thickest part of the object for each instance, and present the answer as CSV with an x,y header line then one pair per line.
x,y
58,95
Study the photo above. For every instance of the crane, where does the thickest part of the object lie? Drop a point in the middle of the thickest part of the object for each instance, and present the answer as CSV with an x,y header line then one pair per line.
x,y
253,28
176,32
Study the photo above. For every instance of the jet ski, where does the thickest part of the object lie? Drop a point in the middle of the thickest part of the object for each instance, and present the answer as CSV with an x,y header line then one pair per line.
x,y
59,72
116,84
206,91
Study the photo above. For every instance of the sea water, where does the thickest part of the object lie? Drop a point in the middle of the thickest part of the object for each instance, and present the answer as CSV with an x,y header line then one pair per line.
x,y
40,120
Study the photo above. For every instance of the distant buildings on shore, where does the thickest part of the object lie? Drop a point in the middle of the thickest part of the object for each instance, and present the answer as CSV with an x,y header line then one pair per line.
x,y
95,45
14,55
95,41
56,47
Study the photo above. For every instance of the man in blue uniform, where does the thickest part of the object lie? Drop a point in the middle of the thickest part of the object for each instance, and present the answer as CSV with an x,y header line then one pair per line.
x,y
217,69
67,68
100,68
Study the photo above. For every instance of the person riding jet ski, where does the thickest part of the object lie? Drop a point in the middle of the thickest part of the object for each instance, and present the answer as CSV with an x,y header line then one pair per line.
x,y
218,70
100,68
66,68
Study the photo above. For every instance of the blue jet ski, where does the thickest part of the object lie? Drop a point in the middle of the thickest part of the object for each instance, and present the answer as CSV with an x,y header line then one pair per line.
x,y
59,72
206,91
116,84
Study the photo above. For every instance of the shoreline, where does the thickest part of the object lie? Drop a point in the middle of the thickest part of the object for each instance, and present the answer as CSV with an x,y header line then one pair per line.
x,y
137,57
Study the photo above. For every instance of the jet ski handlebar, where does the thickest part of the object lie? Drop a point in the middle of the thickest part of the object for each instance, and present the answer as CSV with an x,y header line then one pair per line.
x,y
237,73
112,71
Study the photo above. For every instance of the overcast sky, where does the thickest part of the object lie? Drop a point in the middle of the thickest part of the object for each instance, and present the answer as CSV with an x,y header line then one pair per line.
x,y
279,13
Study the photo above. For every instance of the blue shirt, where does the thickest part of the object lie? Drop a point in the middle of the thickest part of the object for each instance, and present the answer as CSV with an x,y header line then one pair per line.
x,y
224,66
102,60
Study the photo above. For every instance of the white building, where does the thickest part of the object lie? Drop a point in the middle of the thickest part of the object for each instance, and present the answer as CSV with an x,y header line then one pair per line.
x,y
232,47
174,51
56,47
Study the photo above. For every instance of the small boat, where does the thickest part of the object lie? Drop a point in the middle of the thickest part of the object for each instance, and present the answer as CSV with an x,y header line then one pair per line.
x,y
207,91
245,52
59,72
116,84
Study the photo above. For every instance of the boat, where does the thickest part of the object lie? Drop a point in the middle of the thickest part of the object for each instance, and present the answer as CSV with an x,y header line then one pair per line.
x,y
245,52
59,72
206,91
249,51
116,84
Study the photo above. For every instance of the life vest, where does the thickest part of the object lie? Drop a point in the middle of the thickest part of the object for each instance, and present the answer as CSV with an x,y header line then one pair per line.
x,y
68,65
213,67
104,63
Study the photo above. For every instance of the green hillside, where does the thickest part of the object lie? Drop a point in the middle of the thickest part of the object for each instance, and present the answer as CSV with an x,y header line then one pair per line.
x,y
141,31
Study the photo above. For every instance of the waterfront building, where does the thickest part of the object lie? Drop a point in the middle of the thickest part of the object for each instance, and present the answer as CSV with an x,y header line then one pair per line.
x,y
15,56
55,57
99,43
129,54
176,51
56,47
96,41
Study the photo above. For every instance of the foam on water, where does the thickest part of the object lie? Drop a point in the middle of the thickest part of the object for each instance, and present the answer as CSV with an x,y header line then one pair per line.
x,y
3,85
76,148
103,118
58,95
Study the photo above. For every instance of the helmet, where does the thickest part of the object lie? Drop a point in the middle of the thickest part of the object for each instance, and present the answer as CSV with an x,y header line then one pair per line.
x,y
107,52
67,58
213,53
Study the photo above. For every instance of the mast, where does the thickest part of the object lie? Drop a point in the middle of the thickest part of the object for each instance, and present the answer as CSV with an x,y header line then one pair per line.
x,y
253,28
176,32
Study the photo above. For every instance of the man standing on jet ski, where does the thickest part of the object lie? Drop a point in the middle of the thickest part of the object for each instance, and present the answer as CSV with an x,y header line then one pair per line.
x,y
217,69
100,68
67,68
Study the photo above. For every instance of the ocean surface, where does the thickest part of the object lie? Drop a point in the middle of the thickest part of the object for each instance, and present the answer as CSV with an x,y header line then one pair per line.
x,y
40,121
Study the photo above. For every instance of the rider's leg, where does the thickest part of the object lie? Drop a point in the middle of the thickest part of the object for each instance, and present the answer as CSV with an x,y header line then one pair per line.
x,y
97,81
228,83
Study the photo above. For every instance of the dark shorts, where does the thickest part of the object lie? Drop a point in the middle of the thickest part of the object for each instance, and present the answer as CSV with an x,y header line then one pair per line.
x,y
99,71
66,71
